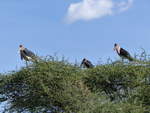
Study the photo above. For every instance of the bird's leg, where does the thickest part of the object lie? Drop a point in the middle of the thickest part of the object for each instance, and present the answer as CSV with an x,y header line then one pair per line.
x,y
122,59
26,63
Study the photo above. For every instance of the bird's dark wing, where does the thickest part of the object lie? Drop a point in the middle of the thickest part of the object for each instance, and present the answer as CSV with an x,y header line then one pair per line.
x,y
29,53
23,55
89,64
124,53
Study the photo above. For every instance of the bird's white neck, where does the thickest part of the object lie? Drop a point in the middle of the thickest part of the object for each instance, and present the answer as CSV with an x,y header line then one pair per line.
x,y
118,49
21,48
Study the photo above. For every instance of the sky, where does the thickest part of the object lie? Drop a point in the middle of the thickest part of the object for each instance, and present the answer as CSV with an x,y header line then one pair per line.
x,y
75,29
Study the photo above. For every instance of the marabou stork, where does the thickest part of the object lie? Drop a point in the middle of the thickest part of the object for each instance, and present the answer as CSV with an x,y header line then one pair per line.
x,y
26,54
86,63
122,52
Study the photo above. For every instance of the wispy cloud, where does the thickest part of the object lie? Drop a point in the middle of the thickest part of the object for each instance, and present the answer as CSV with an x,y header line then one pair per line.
x,y
125,5
92,9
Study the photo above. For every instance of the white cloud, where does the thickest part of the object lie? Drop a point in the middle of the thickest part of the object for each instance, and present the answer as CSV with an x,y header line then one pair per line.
x,y
123,6
92,9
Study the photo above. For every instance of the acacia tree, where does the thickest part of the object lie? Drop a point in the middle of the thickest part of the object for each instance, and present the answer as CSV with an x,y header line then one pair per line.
x,y
60,87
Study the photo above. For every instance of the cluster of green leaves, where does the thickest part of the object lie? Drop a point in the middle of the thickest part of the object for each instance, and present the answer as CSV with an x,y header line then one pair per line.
x,y
53,86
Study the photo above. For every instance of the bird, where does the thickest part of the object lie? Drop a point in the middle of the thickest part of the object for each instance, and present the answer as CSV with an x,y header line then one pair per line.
x,y
122,52
86,63
26,54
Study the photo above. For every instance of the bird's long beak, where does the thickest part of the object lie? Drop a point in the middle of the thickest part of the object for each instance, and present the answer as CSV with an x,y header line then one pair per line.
x,y
19,50
81,64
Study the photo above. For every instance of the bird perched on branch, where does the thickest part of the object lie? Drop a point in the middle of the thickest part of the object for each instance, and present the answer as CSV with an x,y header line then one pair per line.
x,y
26,54
122,52
86,63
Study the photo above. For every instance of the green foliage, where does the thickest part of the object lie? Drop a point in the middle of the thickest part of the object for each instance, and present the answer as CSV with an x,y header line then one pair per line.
x,y
60,87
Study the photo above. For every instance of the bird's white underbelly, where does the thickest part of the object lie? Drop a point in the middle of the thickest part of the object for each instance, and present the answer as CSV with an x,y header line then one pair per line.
x,y
29,58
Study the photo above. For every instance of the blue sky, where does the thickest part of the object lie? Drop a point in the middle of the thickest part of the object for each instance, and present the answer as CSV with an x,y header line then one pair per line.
x,y
73,28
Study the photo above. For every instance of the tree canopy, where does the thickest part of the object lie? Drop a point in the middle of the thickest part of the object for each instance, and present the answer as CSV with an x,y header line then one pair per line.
x,y
52,86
